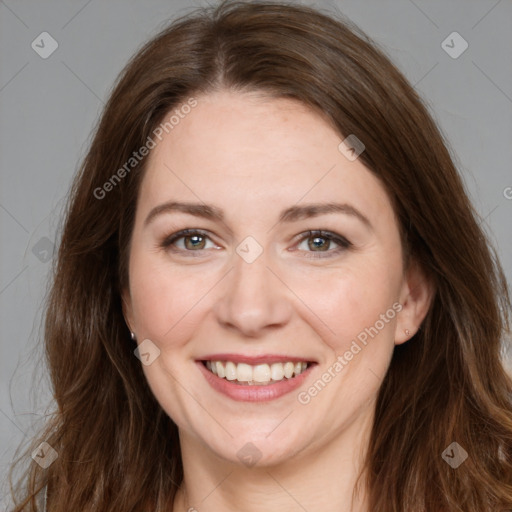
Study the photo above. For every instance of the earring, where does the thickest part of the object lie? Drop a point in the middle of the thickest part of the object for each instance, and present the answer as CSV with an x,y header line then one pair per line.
x,y
132,334
407,332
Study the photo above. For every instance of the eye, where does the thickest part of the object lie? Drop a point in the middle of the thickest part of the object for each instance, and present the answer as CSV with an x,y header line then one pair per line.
x,y
187,240
320,242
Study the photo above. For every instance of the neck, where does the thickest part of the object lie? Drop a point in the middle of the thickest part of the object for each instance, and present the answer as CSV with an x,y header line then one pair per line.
x,y
322,477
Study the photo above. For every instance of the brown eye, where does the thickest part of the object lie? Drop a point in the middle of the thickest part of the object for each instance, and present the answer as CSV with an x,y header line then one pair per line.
x,y
321,242
194,241
187,240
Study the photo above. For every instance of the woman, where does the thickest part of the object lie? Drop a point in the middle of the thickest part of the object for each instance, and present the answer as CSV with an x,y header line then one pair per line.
x,y
272,290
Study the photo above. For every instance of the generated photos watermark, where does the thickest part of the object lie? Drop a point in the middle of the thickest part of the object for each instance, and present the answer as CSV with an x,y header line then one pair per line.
x,y
137,156
454,455
45,455
305,397
147,352
249,454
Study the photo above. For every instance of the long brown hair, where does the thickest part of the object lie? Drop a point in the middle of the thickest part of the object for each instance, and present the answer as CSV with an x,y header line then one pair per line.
x,y
117,449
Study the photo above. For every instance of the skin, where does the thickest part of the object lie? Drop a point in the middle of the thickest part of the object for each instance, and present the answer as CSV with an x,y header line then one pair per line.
x,y
253,157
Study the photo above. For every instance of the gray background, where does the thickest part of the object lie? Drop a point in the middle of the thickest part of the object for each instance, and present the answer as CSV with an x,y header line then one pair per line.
x,y
49,107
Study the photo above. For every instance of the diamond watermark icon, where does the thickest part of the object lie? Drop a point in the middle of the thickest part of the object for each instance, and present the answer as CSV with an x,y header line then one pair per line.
x,y
249,454
351,147
249,249
44,455
147,352
44,45
43,249
454,455
454,45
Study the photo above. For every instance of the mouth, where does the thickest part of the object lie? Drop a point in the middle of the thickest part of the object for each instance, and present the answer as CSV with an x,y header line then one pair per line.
x,y
255,379
261,374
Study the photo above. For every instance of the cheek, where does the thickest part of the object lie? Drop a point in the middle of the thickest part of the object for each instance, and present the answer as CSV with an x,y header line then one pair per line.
x,y
164,298
355,310
166,302
348,301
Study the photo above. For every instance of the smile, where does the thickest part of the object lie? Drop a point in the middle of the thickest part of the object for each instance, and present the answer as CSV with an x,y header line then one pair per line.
x,y
260,374
255,379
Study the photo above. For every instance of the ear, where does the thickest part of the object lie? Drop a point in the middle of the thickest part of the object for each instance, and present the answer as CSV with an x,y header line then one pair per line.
x,y
416,295
127,309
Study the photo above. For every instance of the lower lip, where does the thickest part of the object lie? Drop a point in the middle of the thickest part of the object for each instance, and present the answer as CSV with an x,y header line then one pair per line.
x,y
256,392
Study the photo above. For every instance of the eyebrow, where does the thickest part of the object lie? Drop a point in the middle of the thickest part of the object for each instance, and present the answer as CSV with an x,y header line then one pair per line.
x,y
295,213
292,214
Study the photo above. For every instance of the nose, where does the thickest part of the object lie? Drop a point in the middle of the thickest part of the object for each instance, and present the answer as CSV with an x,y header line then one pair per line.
x,y
252,299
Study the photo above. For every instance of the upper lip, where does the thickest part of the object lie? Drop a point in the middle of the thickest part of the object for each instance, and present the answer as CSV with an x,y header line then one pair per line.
x,y
254,360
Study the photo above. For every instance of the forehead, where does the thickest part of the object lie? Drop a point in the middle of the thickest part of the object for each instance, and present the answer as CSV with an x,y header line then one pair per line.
x,y
247,152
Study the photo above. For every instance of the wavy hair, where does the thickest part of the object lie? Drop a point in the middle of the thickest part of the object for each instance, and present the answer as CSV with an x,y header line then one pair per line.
x,y
117,448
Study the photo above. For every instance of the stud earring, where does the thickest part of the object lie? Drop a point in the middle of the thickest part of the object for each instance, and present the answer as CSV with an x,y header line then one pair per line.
x,y
407,332
132,334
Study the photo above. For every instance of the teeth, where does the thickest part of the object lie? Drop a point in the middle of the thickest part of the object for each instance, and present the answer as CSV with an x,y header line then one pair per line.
x,y
220,369
243,372
288,369
257,374
231,373
261,373
277,371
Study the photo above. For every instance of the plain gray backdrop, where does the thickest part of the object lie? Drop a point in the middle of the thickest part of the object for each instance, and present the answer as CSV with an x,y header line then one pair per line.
x,y
49,106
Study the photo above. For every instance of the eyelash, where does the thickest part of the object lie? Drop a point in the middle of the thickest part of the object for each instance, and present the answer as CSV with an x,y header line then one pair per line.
x,y
328,235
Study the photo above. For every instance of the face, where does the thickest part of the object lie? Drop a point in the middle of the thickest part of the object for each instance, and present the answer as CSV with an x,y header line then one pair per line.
x,y
268,279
